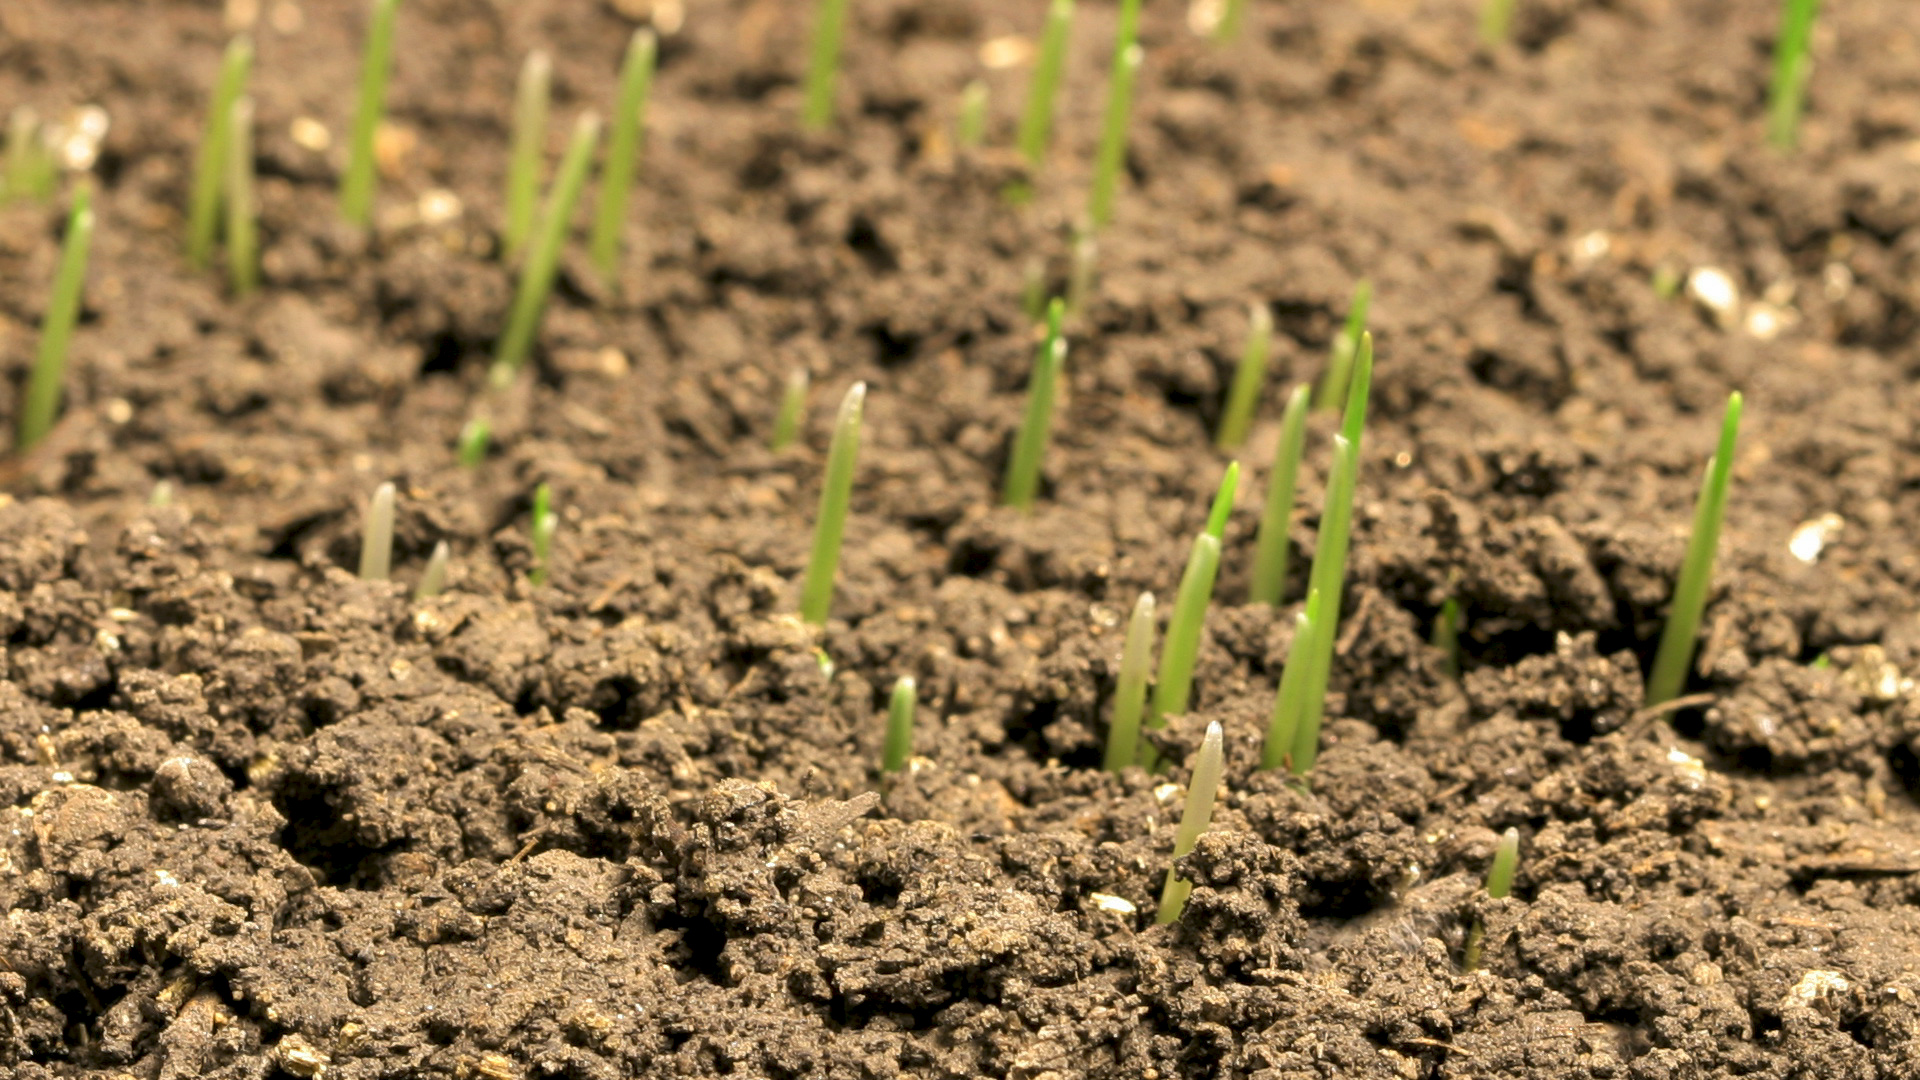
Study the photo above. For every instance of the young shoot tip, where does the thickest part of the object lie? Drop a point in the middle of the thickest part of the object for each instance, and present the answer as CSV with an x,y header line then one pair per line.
x,y
376,543
1130,689
900,710
1677,638
42,401
830,523
544,523
1202,788
433,580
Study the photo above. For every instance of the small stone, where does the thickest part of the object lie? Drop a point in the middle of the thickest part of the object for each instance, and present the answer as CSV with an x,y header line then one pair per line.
x,y
309,134
1811,537
1012,50
1712,289
1109,902
300,1057
191,788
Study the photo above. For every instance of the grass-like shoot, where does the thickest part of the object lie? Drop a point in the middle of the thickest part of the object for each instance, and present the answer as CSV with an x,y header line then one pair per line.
x,y
1036,124
1173,687
433,580
1036,430
1496,22
1792,63
474,437
1304,708
1231,18
1202,787
1130,689
1272,546
161,495
531,99
793,409
830,524
29,169
543,257
899,746
1506,859
1333,384
1293,682
1033,289
1696,573
970,128
42,399
543,523
823,72
1446,636
623,152
356,186
1243,395
212,169
243,223
376,541
1112,154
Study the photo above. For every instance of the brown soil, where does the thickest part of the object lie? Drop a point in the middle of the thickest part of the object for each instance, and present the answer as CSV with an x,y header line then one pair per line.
x,y
262,818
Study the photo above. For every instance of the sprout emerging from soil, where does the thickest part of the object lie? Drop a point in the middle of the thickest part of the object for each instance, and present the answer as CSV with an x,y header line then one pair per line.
x,y
1036,430
623,152
1244,393
42,399
543,522
830,524
473,442
376,542
1228,27
1333,385
1033,289
1293,682
1201,789
970,129
433,580
1113,137
1792,62
30,168
1272,546
793,407
543,258
1130,690
899,747
1036,124
161,495
212,169
243,227
1446,636
823,73
356,186
1496,22
1173,688
1301,711
1696,573
1506,858
530,102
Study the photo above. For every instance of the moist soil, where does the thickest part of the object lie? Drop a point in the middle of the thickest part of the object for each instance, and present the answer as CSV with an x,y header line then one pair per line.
x,y
265,819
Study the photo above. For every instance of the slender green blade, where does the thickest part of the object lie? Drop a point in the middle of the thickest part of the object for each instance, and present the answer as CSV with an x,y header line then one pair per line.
x,y
1130,689
1287,698
830,524
1792,63
1173,688
899,745
356,186
530,105
210,166
1243,396
1036,429
1113,136
42,399
1036,124
1677,639
1273,545
1202,789
623,152
243,232
543,259
1339,373
823,73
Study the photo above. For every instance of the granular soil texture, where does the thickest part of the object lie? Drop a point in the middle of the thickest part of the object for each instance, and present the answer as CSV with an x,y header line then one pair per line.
x,y
264,819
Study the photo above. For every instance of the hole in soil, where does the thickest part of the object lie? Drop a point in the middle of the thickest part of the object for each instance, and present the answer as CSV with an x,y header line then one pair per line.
x,y
442,354
891,350
318,840
1905,765
698,951
1339,900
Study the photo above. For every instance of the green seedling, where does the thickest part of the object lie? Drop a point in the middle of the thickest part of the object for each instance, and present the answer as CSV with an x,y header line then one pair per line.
x,y
1792,63
433,580
531,100
1446,636
161,495
1272,545
1243,395
1305,706
212,168
356,186
27,158
473,442
823,73
899,747
793,409
623,152
1113,136
42,399
543,258
1036,430
1506,859
970,128
1036,124
1033,289
1130,690
1822,662
1496,22
543,523
1333,385
1231,18
1202,788
243,224
376,541
1173,687
1696,573
1293,683
830,524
